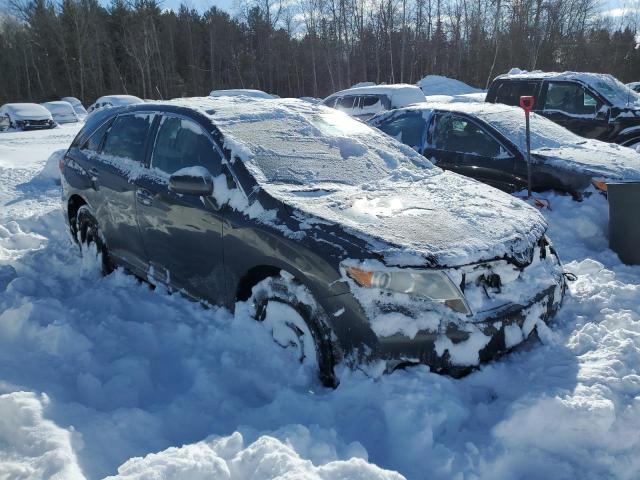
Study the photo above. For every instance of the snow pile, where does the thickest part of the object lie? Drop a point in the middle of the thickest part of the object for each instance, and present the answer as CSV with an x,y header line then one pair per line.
x,y
439,85
469,97
229,458
32,447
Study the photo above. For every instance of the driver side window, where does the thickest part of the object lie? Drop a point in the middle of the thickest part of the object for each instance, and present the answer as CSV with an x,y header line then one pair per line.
x,y
182,143
460,135
571,98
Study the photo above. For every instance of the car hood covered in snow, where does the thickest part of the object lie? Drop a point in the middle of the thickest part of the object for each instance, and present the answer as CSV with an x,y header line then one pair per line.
x,y
594,158
443,219
329,166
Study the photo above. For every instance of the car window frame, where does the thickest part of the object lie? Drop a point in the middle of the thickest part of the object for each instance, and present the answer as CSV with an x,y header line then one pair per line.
x,y
587,88
478,124
156,132
109,121
145,153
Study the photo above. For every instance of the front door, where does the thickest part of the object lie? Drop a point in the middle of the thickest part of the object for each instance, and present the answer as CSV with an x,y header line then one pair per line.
x,y
571,105
182,233
457,143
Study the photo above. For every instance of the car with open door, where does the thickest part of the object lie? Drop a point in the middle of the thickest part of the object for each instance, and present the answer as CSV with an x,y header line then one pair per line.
x,y
591,105
487,142
345,244
25,116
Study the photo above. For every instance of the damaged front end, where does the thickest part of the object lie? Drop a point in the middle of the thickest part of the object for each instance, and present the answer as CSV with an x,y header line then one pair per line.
x,y
452,319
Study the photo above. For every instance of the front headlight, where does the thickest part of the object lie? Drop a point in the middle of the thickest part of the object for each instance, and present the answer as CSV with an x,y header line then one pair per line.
x,y
430,285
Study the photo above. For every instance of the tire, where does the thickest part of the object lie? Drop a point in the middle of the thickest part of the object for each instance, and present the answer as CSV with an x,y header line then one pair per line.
x,y
297,322
88,234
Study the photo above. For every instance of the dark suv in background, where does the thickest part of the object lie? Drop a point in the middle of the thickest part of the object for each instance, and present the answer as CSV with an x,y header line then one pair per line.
x,y
589,104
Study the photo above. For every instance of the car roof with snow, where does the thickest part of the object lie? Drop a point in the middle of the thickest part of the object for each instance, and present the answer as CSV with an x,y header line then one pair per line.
x,y
401,94
236,92
59,106
120,99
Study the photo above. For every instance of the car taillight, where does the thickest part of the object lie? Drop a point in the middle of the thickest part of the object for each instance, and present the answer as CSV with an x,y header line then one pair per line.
x,y
61,163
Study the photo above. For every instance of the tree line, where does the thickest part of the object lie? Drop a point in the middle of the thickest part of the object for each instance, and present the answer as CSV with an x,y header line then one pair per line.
x,y
82,48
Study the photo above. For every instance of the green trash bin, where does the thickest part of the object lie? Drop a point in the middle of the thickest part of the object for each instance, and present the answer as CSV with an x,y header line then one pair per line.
x,y
624,220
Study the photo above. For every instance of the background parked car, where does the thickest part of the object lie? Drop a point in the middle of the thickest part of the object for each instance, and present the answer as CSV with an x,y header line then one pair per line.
x,y
487,142
25,116
244,92
361,247
77,106
635,86
114,101
62,112
592,105
365,102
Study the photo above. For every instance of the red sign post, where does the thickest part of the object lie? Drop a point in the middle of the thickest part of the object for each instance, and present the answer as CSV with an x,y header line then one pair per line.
x,y
527,103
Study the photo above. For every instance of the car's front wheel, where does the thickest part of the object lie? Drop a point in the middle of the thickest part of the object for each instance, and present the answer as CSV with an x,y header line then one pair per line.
x,y
90,238
296,322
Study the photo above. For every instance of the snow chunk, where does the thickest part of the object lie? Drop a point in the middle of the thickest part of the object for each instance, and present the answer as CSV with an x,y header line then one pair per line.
x,y
229,458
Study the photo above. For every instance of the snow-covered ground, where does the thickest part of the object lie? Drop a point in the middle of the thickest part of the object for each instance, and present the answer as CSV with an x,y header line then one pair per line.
x,y
106,377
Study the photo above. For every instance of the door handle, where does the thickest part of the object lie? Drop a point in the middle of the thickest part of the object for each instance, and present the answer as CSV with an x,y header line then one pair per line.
x,y
145,197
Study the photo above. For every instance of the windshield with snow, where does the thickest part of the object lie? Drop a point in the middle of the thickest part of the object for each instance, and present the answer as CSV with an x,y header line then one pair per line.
x,y
324,148
544,132
615,91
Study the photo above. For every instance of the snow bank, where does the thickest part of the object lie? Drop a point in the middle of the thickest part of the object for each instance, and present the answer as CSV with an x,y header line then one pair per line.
x,y
229,458
32,447
439,85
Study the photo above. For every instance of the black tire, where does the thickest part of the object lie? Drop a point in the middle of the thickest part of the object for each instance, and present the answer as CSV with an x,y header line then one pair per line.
x,y
282,290
88,233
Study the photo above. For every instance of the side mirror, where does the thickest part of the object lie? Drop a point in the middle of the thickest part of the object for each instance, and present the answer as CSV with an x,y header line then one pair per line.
x,y
192,181
603,113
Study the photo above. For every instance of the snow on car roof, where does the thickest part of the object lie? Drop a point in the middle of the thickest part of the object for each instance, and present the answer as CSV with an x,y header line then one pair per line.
x,y
401,94
59,106
605,84
247,92
120,99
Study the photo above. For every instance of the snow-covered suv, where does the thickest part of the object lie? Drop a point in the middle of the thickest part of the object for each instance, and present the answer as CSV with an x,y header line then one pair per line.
x,y
364,102
592,105
346,244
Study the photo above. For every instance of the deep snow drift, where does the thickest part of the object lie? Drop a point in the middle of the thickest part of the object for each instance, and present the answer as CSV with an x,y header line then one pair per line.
x,y
97,371
439,85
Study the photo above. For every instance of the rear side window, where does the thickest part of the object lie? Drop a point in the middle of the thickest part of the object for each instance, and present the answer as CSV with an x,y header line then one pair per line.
x,y
95,140
182,143
408,128
571,98
509,92
457,134
127,136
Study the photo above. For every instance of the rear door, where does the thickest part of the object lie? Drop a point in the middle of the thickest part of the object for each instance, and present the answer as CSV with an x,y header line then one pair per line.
x,y
182,233
113,171
576,108
463,145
